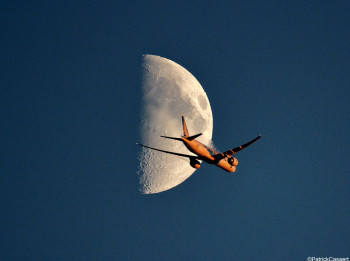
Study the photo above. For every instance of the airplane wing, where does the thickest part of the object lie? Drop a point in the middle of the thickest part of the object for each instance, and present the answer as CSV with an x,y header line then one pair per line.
x,y
169,152
235,150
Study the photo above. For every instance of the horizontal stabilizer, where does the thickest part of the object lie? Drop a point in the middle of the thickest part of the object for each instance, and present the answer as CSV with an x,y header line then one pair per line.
x,y
194,136
172,138
189,138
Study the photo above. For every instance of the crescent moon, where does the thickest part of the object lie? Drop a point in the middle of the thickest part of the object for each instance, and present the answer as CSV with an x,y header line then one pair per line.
x,y
169,90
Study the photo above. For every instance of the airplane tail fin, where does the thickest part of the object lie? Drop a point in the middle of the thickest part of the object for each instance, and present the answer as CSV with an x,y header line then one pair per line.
x,y
185,132
172,138
185,135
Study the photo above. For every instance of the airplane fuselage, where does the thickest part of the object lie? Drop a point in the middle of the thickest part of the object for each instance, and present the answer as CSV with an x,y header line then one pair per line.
x,y
203,152
223,160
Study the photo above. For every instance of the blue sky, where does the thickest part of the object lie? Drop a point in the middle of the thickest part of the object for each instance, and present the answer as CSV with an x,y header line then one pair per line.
x,y
70,116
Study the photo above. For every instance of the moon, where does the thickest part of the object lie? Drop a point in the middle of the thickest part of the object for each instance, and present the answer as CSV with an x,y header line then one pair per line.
x,y
169,90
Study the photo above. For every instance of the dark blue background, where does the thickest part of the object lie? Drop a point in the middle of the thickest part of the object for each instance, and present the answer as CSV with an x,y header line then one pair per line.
x,y
70,115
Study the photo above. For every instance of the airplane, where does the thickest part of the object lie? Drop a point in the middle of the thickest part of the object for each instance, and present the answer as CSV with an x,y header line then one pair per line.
x,y
223,160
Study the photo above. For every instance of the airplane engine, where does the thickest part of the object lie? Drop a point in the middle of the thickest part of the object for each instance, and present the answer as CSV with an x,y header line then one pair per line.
x,y
195,163
233,161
